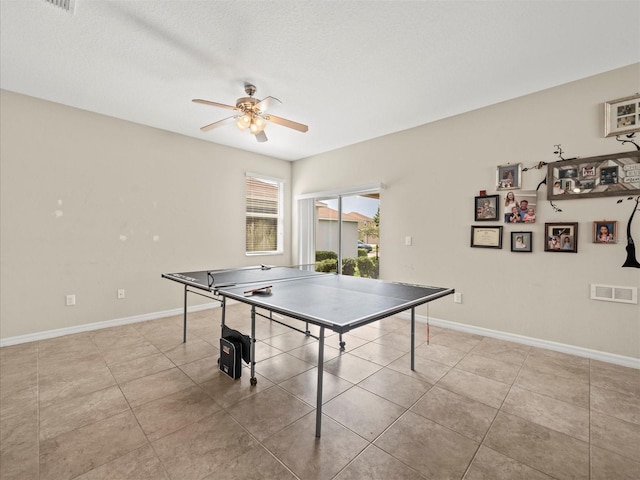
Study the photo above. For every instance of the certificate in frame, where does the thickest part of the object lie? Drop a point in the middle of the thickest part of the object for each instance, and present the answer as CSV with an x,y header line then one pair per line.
x,y
486,237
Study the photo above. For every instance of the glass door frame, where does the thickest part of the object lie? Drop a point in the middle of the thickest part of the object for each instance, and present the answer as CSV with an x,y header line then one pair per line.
x,y
307,218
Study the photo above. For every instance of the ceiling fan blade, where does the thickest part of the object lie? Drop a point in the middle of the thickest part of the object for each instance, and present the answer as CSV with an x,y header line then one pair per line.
x,y
265,103
215,104
287,123
261,137
219,123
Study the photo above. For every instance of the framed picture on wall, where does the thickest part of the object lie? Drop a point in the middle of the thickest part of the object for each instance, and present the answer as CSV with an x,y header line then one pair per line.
x,y
622,116
486,237
617,174
561,237
605,231
508,176
486,208
521,241
520,207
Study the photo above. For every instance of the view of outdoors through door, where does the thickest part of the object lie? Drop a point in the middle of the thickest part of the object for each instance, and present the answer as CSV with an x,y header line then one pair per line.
x,y
347,235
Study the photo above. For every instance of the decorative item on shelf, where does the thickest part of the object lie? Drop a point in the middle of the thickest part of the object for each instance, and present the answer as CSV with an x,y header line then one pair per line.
x,y
605,231
521,241
605,175
561,237
486,208
622,116
508,176
486,237
631,260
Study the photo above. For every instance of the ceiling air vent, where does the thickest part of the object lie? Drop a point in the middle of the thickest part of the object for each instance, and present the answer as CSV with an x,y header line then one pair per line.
x,y
67,5
610,293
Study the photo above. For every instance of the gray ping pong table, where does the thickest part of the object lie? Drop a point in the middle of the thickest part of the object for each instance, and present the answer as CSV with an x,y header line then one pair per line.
x,y
339,303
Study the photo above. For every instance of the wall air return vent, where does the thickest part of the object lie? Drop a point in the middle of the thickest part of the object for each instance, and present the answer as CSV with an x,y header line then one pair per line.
x,y
611,293
67,5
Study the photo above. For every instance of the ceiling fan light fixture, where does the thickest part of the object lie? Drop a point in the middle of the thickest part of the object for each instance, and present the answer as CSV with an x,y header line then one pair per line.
x,y
250,114
256,128
244,121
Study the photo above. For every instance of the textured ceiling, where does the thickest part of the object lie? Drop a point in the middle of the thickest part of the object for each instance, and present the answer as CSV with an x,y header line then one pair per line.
x,y
351,70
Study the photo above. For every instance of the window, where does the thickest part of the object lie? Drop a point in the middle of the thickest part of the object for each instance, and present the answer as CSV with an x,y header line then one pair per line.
x,y
264,214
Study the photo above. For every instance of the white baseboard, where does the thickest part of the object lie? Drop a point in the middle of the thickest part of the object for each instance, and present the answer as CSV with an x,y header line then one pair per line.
x,y
535,342
59,332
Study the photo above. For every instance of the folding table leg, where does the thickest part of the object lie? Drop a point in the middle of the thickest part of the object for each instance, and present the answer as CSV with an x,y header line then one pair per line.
x,y
413,337
184,323
320,374
254,380
224,311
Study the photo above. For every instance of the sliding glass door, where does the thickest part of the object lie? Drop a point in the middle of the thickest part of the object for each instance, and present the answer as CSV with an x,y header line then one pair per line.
x,y
345,233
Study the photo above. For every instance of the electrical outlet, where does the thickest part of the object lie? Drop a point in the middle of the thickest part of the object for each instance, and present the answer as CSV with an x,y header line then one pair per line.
x,y
71,300
457,298
408,241
120,293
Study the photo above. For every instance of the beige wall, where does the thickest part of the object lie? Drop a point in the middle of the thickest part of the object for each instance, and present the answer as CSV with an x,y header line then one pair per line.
x,y
432,174
84,195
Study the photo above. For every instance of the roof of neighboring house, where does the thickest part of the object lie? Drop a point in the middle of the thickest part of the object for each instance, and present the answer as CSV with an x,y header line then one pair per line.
x,y
360,217
326,213
261,188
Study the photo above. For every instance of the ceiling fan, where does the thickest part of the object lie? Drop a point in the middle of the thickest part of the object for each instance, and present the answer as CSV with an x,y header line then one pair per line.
x,y
251,114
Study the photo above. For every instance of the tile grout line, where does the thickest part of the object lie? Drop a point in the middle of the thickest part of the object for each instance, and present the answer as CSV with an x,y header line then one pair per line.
x,y
473,457
407,410
529,355
498,410
130,409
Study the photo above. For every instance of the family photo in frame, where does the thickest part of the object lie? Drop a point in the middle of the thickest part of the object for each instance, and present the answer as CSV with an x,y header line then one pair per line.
x,y
521,241
622,116
520,207
561,237
603,176
605,231
508,176
486,208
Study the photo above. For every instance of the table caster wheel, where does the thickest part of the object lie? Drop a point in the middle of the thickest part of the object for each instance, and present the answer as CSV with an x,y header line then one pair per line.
x,y
253,381
342,344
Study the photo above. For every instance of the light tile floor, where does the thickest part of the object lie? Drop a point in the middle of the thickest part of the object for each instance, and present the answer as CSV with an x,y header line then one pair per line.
x,y
134,402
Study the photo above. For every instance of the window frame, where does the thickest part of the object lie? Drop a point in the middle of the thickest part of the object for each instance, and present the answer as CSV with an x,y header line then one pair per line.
x,y
307,217
279,216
